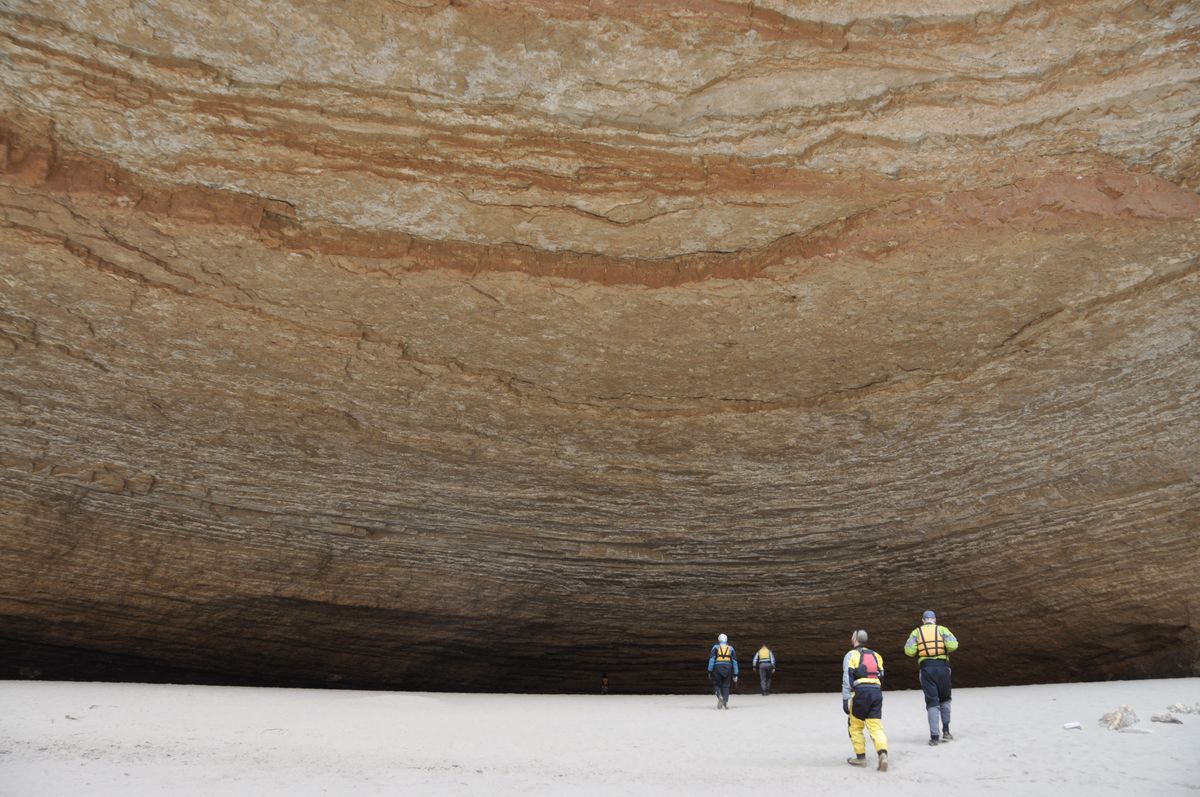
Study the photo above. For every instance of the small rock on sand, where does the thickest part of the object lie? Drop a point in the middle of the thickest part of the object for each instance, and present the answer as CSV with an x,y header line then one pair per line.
x,y
1122,717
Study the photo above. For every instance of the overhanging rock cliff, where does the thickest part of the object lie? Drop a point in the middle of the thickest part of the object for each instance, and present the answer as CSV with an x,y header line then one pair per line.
x,y
465,345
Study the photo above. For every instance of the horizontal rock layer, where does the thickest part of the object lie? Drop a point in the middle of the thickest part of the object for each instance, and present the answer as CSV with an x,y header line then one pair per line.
x,y
491,346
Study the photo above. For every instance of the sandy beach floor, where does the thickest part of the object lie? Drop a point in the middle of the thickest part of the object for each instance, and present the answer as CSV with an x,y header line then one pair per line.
x,y
133,739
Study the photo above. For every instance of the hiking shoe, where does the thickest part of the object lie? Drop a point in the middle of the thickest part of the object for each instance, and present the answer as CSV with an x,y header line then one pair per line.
x,y
720,704
725,704
883,760
857,761
933,742
946,737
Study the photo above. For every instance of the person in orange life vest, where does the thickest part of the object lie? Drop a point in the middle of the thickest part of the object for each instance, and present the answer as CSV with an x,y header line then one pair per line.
x,y
764,662
933,644
604,683
722,669
862,700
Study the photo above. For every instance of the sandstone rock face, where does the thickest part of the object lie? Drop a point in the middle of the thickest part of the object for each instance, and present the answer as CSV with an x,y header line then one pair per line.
x,y
462,345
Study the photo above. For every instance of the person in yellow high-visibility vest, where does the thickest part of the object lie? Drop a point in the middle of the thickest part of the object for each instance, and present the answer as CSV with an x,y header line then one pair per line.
x,y
862,700
764,662
722,669
932,644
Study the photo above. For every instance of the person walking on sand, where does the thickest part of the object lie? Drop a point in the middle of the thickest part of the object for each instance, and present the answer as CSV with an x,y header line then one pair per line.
x,y
722,669
932,644
764,662
862,700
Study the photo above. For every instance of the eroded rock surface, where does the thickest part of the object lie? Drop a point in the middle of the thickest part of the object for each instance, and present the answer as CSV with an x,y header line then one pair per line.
x,y
466,345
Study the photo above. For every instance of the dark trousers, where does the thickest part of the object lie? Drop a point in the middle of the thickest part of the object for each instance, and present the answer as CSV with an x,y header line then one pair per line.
x,y
722,679
935,683
765,672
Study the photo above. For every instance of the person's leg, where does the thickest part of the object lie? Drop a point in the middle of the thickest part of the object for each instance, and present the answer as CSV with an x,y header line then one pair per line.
x,y
725,679
770,677
879,739
874,723
855,727
878,736
930,688
859,707
944,702
874,719
857,739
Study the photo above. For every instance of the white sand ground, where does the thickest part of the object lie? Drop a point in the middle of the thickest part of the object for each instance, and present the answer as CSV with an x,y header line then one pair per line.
x,y
132,739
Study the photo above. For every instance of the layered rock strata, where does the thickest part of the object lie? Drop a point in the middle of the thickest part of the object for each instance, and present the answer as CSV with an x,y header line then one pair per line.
x,y
463,345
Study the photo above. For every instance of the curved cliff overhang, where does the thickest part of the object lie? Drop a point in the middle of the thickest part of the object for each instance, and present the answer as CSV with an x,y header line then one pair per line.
x,y
467,345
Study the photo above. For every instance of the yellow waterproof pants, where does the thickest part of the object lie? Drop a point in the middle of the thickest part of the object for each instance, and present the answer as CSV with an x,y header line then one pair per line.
x,y
874,727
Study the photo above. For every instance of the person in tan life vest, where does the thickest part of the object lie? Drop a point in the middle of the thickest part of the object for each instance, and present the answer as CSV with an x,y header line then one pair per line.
x,y
764,662
932,644
862,700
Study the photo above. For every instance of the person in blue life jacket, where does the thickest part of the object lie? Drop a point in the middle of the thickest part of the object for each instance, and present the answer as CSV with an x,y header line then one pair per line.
x,y
862,700
722,669
764,662
932,644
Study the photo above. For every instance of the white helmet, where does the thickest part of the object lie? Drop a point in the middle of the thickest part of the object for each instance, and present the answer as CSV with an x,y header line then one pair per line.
x,y
722,638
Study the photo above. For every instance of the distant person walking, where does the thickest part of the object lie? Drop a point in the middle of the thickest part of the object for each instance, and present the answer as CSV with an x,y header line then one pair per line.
x,y
764,662
862,700
722,669
932,644
604,683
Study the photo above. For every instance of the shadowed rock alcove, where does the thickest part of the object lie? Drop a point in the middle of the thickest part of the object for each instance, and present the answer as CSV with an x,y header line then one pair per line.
x,y
490,346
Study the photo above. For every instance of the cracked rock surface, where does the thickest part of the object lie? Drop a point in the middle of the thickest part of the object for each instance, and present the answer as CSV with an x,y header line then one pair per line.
x,y
491,346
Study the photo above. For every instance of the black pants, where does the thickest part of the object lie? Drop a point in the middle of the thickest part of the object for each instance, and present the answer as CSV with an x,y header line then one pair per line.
x,y
722,679
935,682
765,672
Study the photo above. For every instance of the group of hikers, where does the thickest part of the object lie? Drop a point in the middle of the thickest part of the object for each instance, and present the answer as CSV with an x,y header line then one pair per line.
x,y
862,683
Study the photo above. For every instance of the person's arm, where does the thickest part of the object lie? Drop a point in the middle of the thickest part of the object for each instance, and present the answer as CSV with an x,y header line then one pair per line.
x,y
949,638
879,659
910,647
712,658
733,658
772,658
847,666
